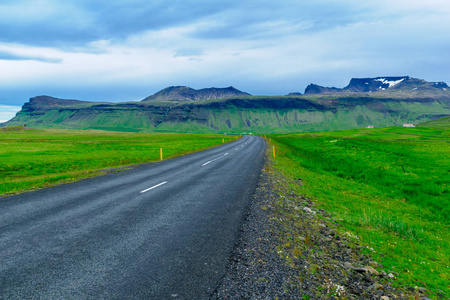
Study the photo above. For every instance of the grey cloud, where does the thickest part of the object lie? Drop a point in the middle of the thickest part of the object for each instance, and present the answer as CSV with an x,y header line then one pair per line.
x,y
88,21
4,55
94,20
249,21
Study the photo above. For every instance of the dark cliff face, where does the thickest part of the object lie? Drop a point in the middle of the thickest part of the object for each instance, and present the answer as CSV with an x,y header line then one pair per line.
x,y
184,93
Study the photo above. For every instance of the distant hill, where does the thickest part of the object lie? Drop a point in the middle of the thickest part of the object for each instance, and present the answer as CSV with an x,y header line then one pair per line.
x,y
55,102
403,84
184,93
317,89
381,101
443,122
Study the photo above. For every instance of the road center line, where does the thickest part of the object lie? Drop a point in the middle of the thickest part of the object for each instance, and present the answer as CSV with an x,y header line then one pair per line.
x,y
208,162
155,186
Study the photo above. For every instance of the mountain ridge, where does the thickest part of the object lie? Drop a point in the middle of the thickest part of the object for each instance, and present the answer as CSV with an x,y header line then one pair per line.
x,y
53,101
397,100
381,84
185,93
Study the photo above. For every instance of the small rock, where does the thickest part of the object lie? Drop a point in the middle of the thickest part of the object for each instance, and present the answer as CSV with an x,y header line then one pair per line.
x,y
371,270
420,289
360,270
383,273
348,265
373,263
377,286
309,210
390,275
354,290
384,298
322,225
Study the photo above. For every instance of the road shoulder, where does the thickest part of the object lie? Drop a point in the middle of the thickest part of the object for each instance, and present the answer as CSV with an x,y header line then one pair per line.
x,y
289,249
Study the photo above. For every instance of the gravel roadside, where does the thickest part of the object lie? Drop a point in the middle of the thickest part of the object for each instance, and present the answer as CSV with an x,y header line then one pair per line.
x,y
288,249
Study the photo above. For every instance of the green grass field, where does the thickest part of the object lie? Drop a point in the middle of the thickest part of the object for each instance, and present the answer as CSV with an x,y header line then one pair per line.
x,y
32,159
390,187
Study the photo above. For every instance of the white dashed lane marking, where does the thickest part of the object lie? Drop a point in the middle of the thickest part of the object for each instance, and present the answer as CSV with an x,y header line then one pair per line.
x,y
208,162
153,187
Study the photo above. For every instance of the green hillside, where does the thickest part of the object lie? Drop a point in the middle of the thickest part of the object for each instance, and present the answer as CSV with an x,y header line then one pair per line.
x,y
254,114
443,122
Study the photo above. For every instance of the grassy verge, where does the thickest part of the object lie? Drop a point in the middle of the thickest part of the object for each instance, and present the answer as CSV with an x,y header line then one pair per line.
x,y
389,187
32,159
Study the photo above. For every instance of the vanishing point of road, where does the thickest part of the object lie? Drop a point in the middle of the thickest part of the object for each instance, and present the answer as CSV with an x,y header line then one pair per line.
x,y
159,231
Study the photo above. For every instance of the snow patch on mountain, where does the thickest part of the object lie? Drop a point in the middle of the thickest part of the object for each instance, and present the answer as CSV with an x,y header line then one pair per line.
x,y
391,83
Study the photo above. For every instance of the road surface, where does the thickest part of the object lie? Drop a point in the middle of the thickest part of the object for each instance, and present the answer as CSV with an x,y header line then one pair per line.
x,y
159,231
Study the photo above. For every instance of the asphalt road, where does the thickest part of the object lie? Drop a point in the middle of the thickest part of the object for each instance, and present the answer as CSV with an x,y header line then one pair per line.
x,y
159,231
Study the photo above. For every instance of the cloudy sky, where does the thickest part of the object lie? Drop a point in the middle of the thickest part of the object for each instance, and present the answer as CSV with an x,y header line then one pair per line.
x,y
123,50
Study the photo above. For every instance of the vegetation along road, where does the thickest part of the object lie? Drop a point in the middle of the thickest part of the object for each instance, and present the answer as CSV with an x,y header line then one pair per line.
x,y
157,231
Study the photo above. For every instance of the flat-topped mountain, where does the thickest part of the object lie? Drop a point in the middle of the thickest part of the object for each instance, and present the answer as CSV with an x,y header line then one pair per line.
x,y
381,84
55,102
184,93
364,85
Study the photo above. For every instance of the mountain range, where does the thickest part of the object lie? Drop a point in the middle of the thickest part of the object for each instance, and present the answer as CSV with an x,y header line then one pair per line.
x,y
403,84
380,101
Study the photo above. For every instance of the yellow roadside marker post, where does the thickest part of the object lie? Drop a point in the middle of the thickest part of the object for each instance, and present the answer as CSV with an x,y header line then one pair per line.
x,y
274,151
160,153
